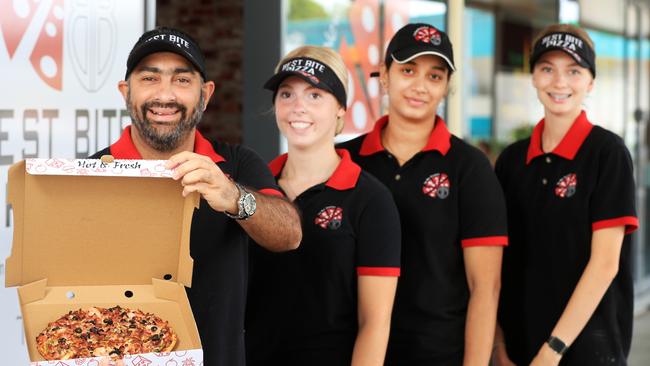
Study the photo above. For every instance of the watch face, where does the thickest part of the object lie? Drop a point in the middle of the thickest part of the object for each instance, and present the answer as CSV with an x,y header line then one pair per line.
x,y
249,204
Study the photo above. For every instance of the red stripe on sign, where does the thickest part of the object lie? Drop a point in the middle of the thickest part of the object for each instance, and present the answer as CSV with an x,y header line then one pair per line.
x,y
378,271
271,192
631,223
485,241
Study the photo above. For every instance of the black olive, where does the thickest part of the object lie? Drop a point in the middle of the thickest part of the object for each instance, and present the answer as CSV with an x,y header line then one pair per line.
x,y
108,321
132,325
77,330
94,330
143,321
56,328
84,336
154,328
155,337
115,351
76,318
61,340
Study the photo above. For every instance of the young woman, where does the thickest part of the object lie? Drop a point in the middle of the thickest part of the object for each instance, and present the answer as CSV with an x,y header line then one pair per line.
x,y
451,209
567,282
329,302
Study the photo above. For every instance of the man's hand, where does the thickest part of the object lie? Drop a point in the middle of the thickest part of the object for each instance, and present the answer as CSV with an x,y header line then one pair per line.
x,y
276,223
198,173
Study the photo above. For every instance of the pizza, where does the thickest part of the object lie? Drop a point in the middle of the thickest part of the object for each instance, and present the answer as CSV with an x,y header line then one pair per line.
x,y
112,332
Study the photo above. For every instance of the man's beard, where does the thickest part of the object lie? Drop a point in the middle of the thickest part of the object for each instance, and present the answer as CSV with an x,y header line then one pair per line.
x,y
165,142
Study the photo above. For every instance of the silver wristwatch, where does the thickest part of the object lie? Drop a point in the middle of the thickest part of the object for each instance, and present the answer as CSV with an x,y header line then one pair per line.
x,y
246,203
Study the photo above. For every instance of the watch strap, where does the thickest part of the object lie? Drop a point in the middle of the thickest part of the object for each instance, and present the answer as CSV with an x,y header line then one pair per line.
x,y
557,345
240,204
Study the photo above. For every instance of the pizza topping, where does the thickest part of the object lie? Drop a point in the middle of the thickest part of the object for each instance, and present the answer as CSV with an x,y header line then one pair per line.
x,y
113,332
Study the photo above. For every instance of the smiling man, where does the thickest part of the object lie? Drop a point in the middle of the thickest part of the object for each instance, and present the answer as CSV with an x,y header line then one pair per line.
x,y
166,92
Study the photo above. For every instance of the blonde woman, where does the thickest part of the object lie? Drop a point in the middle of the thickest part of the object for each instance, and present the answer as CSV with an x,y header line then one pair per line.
x,y
330,301
567,292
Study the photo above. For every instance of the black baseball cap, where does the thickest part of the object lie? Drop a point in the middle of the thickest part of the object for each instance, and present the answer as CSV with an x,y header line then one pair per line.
x,y
164,39
314,72
569,43
417,39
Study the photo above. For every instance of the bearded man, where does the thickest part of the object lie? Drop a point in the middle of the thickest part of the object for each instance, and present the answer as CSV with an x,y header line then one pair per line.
x,y
166,92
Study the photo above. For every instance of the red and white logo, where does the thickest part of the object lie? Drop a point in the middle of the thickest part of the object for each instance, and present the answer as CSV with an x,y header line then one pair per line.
x,y
427,35
311,77
566,186
140,361
329,218
436,186
35,27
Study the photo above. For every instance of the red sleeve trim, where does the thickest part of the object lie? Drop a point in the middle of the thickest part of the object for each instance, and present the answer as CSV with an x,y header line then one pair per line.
x,y
271,192
378,271
485,241
631,223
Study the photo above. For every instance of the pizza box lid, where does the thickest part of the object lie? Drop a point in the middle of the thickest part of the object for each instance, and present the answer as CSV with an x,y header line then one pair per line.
x,y
90,222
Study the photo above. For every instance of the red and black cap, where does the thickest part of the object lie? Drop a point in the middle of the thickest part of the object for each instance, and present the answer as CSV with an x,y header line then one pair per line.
x,y
417,39
568,43
164,39
312,71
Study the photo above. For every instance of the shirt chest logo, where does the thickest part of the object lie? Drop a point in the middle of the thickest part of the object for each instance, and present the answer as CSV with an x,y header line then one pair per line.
x,y
329,218
437,186
566,186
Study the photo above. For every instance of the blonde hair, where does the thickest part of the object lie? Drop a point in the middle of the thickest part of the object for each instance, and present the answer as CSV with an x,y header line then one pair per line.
x,y
328,57
565,28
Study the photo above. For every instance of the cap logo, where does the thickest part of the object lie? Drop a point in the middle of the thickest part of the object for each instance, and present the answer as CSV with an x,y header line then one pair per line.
x,y
329,218
303,66
428,35
569,43
566,41
311,77
437,186
566,186
319,74
178,41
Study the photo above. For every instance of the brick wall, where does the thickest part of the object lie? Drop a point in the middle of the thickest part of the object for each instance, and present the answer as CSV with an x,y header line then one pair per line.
x,y
218,26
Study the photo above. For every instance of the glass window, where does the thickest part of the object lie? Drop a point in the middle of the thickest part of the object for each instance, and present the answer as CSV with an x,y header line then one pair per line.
x,y
478,69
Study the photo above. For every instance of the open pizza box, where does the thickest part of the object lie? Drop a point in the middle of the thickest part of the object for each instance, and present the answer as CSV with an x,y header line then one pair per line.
x,y
92,233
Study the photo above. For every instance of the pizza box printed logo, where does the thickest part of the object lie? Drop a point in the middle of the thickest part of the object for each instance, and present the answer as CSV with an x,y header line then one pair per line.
x,y
437,186
329,218
566,186
141,361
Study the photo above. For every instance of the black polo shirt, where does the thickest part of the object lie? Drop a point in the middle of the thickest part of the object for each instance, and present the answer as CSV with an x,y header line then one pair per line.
x,y
448,199
219,247
302,305
555,201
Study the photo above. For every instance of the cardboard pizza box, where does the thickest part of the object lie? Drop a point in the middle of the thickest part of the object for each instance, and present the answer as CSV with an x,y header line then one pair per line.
x,y
92,233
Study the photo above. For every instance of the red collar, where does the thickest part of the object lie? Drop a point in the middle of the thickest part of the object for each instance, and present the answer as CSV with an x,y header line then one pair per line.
x,y
570,144
438,140
344,177
125,149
